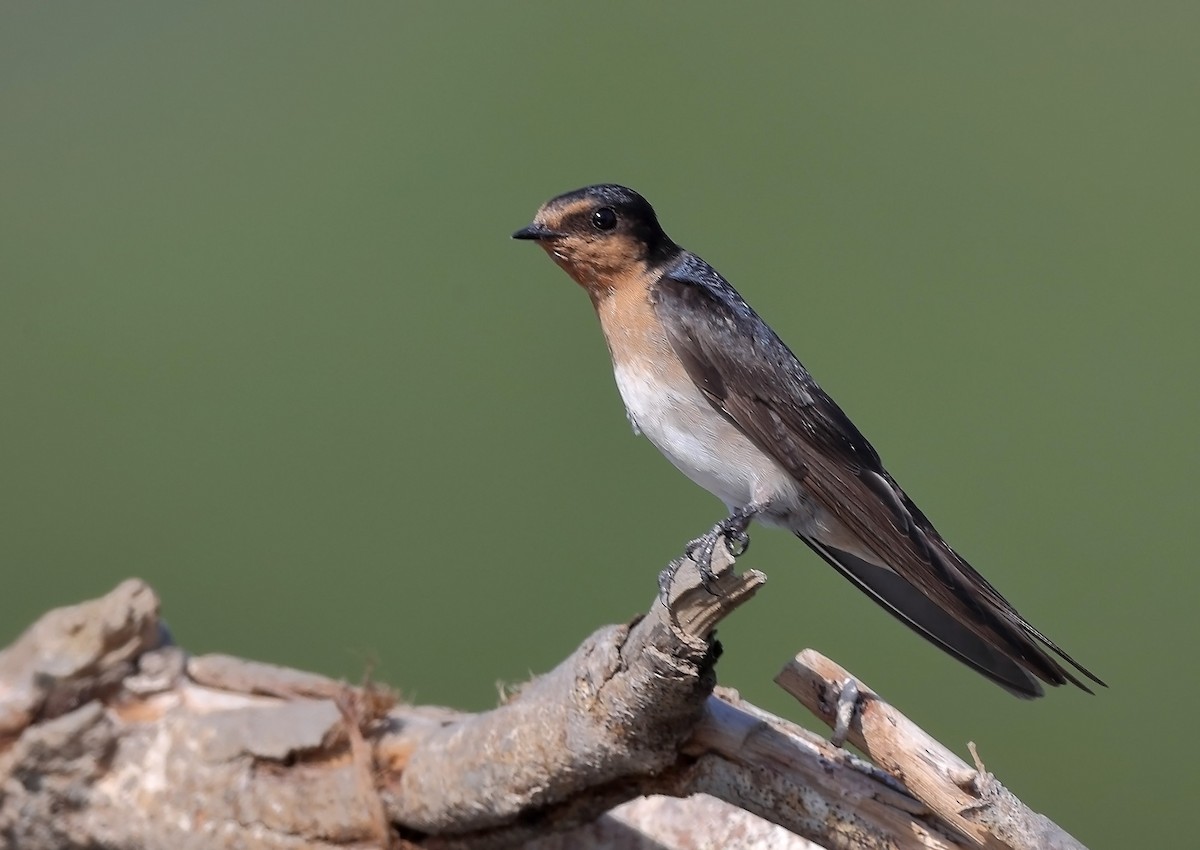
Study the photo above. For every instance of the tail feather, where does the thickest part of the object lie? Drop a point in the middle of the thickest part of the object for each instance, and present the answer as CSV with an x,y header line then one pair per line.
x,y
1015,661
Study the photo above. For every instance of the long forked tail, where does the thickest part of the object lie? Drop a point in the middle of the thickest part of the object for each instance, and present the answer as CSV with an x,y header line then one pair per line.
x,y
1016,667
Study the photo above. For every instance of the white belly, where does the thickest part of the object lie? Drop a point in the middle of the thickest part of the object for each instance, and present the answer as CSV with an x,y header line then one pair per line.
x,y
704,446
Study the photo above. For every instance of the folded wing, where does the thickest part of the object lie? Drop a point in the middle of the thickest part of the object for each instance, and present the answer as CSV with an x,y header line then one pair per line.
x,y
753,379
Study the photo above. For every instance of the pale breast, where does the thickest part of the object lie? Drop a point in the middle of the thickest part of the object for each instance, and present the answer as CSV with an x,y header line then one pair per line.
x,y
667,407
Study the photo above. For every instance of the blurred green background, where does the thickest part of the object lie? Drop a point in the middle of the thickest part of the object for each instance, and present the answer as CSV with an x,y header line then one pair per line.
x,y
265,342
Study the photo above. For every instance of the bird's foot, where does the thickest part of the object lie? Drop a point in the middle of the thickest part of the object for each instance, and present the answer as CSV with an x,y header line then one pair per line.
x,y
843,712
732,530
665,579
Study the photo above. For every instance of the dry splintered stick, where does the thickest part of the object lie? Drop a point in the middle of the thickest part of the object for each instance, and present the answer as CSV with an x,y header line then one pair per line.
x,y
112,736
967,798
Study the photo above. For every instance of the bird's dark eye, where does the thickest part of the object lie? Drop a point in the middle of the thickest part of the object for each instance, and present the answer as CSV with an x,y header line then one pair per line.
x,y
604,218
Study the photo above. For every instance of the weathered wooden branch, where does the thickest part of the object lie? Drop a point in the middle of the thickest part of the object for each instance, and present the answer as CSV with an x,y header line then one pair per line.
x,y
112,736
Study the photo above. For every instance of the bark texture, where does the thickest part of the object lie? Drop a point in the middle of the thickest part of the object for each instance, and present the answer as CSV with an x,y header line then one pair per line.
x,y
110,735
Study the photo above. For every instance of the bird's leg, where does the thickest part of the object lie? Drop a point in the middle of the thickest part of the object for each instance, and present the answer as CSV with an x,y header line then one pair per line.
x,y
732,530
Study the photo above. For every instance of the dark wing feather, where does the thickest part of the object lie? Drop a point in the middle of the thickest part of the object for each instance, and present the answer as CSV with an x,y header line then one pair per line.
x,y
754,380
924,616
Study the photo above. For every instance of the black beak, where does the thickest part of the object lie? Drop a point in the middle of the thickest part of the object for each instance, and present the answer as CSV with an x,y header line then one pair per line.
x,y
536,231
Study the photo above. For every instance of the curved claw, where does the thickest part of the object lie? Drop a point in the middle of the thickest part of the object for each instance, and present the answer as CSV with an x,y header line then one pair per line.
x,y
732,530
737,542
700,550
664,582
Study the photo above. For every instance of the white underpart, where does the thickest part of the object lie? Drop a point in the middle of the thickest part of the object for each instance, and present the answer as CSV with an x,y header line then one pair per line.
x,y
703,445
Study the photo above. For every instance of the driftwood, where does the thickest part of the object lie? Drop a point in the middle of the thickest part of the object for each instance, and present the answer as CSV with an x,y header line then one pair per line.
x,y
110,735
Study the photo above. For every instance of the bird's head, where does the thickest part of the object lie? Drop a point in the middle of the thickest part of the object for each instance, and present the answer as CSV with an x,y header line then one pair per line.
x,y
600,235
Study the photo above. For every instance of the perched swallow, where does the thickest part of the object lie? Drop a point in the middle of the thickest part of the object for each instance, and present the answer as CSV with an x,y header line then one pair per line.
x,y
717,392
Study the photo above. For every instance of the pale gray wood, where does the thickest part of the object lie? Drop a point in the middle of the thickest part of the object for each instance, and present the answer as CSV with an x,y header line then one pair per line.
x,y
112,736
